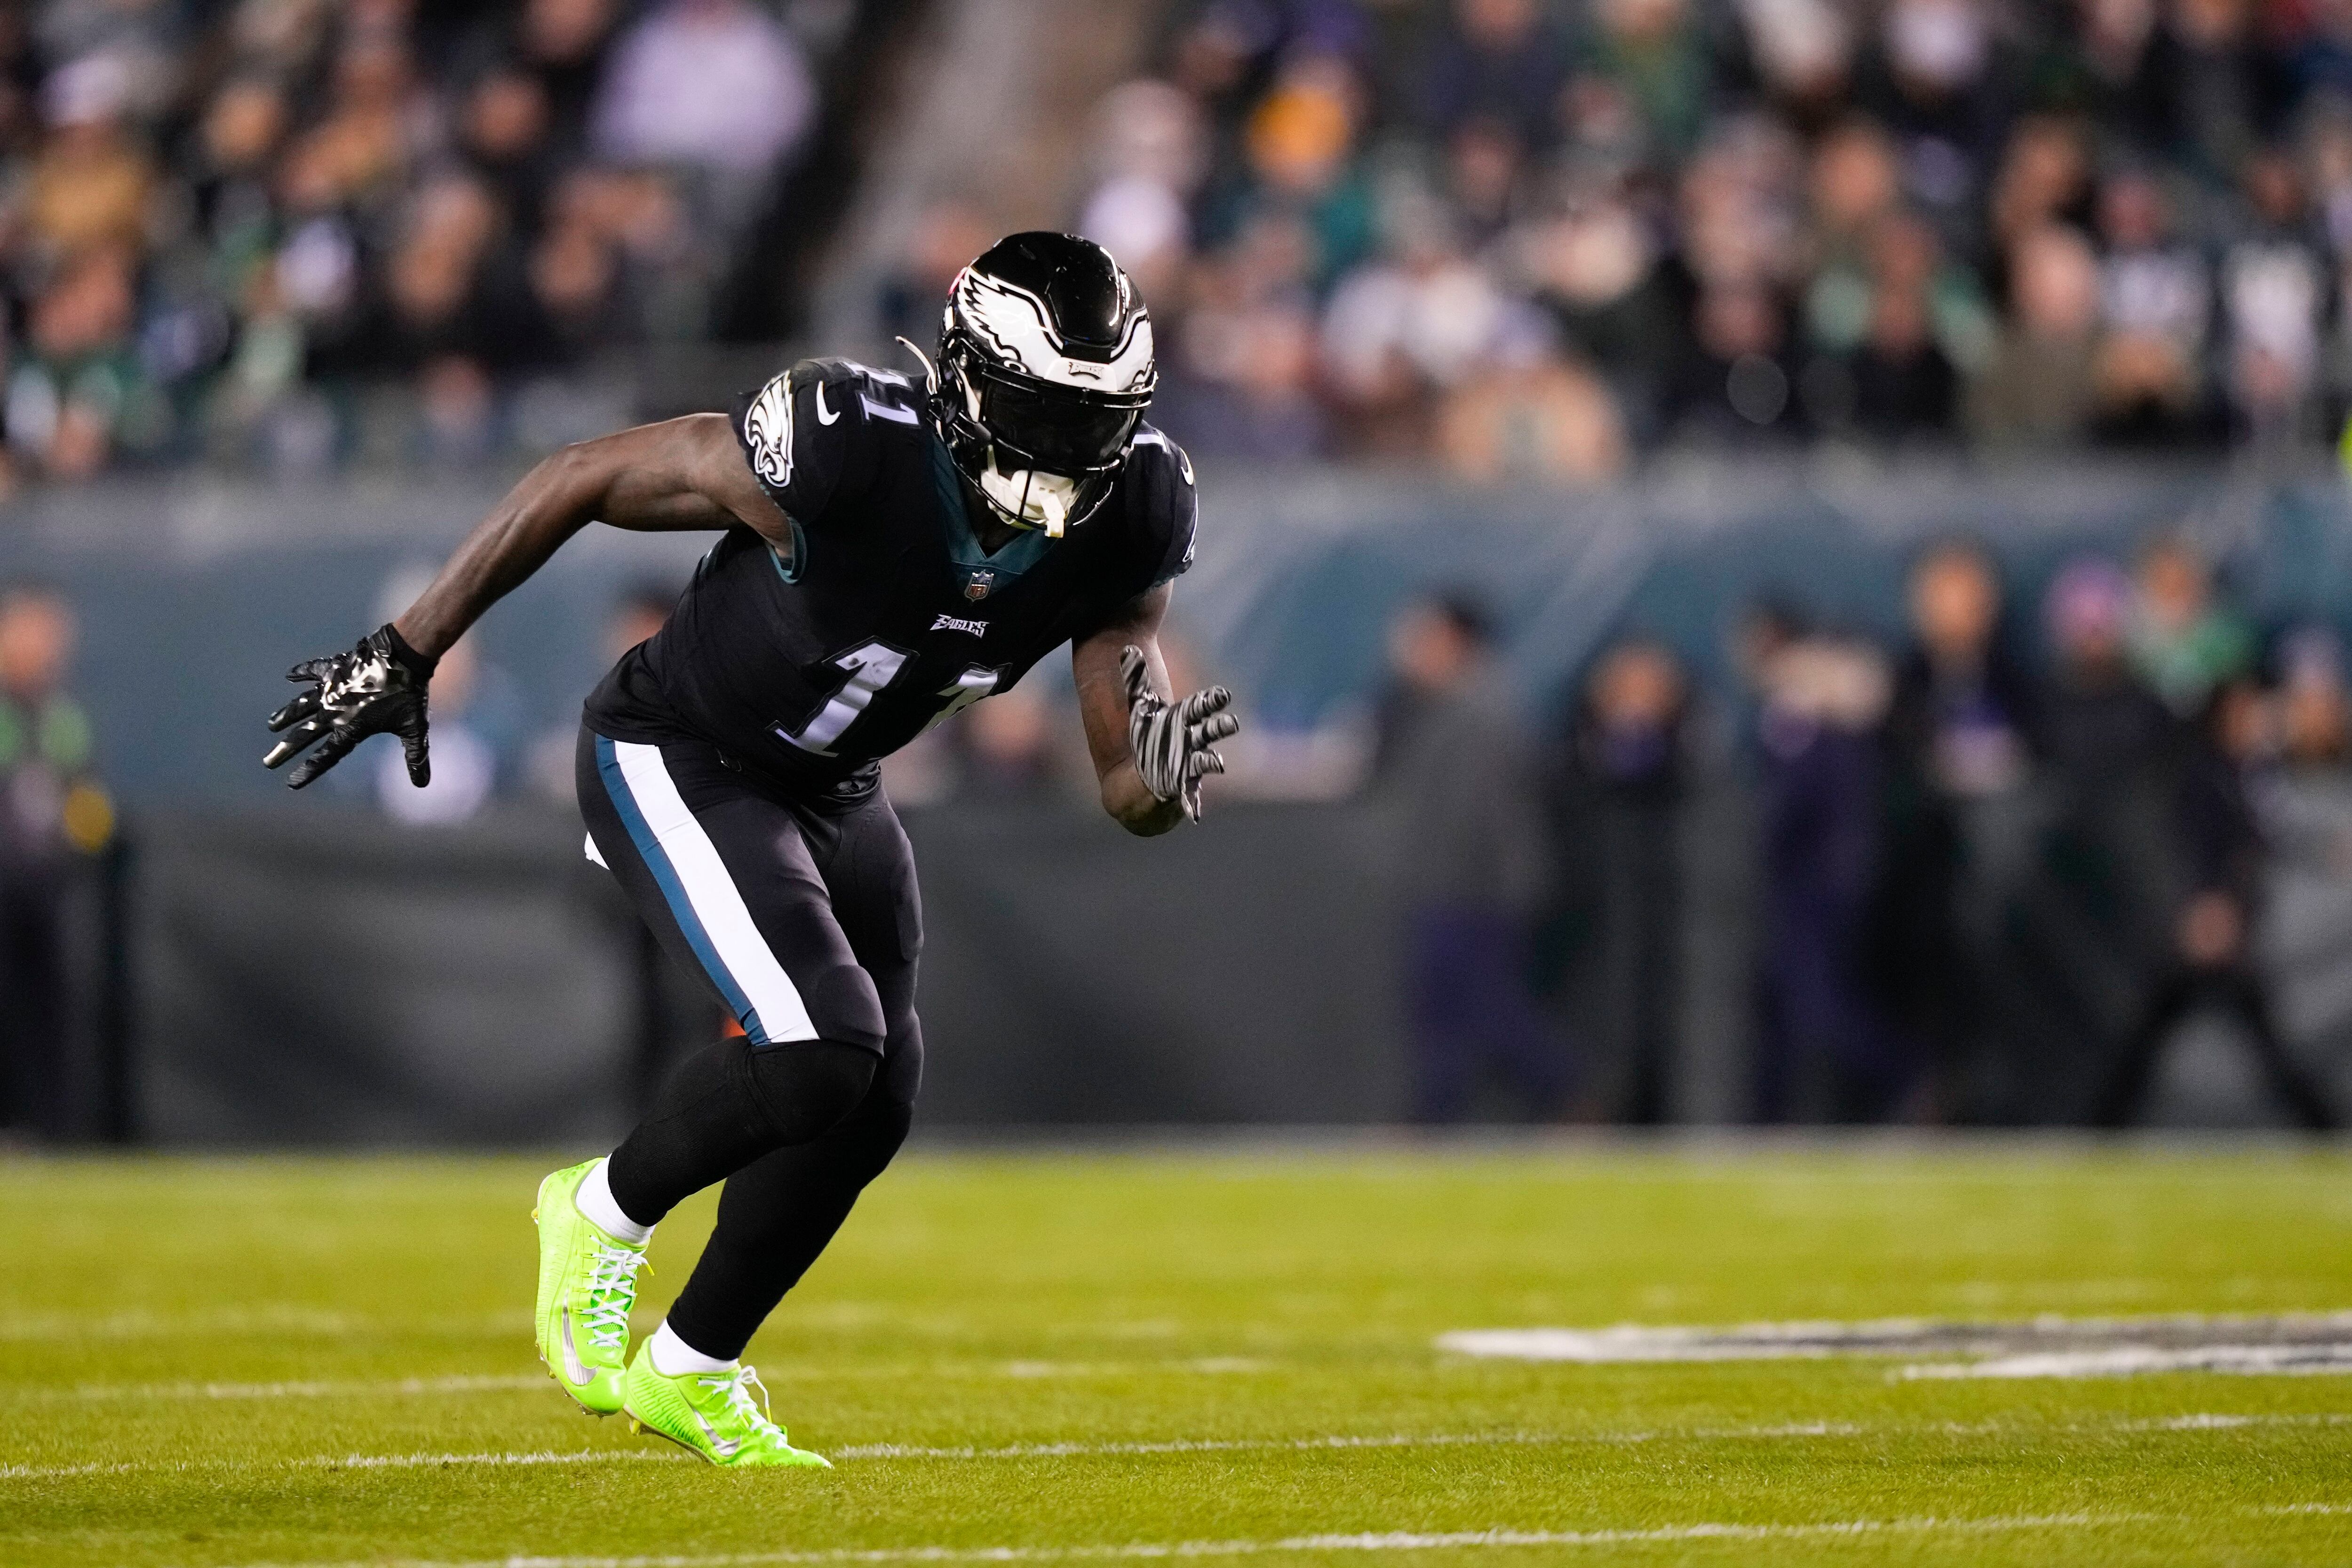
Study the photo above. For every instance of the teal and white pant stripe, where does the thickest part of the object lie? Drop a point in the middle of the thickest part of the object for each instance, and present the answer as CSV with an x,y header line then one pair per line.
x,y
703,899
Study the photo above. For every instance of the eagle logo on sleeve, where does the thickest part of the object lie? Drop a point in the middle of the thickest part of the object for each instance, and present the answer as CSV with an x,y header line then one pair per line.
x,y
768,433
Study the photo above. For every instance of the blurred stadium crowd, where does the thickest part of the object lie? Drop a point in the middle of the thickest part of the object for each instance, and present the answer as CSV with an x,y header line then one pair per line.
x,y
295,234
1993,869
1538,239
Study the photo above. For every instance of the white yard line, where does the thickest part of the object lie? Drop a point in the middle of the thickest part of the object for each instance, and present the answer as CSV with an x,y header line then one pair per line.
x,y
1380,1541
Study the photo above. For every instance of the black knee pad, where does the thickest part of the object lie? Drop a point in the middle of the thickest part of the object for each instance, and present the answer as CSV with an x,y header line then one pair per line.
x,y
808,1087
843,1004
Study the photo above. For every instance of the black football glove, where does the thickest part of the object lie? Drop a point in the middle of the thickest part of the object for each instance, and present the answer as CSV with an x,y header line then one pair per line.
x,y
378,686
1172,741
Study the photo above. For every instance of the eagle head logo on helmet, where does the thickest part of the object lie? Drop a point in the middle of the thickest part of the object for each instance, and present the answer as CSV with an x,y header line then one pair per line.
x,y
1044,368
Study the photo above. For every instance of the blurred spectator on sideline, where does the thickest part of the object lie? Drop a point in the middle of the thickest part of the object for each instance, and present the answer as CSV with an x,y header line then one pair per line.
x,y
2095,932
478,738
56,812
641,610
2210,964
1823,1052
2185,641
1962,735
1620,805
1454,776
467,764
1006,747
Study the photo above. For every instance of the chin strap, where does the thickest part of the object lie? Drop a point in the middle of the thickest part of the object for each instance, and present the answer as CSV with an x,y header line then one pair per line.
x,y
930,371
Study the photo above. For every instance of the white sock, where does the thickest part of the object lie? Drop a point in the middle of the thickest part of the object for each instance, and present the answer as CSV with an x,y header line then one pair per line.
x,y
673,1357
594,1199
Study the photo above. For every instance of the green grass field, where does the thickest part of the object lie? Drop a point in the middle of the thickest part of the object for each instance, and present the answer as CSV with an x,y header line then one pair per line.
x,y
1073,1357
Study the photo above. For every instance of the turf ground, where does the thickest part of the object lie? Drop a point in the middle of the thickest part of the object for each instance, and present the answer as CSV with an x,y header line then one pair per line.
x,y
1070,1357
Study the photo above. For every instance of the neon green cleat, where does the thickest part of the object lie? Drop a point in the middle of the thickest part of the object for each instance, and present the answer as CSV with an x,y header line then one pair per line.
x,y
712,1414
587,1283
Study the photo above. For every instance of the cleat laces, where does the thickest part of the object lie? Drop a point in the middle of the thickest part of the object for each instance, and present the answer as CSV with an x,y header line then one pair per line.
x,y
611,1290
759,1419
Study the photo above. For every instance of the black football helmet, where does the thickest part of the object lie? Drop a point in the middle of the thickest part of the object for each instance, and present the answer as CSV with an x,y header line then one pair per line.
x,y
1044,367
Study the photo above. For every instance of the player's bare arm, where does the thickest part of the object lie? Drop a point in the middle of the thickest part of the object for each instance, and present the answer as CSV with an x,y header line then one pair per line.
x,y
681,475
1131,725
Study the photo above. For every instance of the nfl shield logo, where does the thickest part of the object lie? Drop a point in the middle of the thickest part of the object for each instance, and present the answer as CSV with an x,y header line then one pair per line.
x,y
977,584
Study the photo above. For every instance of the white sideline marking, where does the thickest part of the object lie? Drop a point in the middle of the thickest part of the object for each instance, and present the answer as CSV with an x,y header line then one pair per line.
x,y
2123,1361
502,1383
1381,1541
348,1462
2191,1423
268,1319
312,1390
538,1457
1308,1445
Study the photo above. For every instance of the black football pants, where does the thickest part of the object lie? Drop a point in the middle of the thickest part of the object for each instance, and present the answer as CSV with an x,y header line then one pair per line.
x,y
804,920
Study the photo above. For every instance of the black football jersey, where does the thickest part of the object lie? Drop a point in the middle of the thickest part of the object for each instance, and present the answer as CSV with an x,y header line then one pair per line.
x,y
888,617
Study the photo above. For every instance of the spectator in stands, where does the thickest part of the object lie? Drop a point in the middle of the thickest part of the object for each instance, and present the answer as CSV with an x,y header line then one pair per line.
x,y
1736,386
2155,310
2272,284
69,394
1653,55
91,182
564,43
2185,640
946,235
1301,146
2228,94
715,85
1823,1052
1453,774
2038,390
1152,151
1528,414
1620,815
1502,60
53,813
1960,743
2213,960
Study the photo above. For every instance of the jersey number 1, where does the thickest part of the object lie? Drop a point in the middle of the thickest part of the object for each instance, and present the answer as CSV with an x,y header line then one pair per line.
x,y
872,666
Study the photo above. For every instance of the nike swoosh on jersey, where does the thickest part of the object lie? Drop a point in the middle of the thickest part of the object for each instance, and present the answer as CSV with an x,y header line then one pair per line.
x,y
724,1446
824,414
580,1375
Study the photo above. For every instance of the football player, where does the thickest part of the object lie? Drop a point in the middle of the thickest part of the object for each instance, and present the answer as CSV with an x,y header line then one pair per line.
x,y
890,553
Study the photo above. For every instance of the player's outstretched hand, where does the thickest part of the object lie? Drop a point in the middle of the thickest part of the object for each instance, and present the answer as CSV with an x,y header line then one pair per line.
x,y
378,686
1173,742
